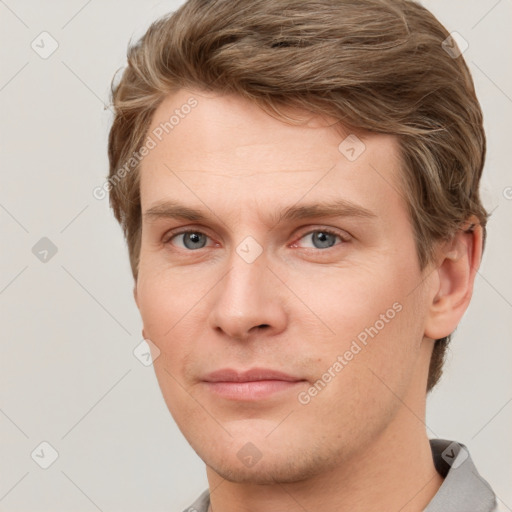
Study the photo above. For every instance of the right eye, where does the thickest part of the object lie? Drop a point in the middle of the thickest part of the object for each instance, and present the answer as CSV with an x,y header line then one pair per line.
x,y
190,239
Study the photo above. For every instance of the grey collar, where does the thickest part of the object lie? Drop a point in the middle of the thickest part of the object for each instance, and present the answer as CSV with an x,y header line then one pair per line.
x,y
463,488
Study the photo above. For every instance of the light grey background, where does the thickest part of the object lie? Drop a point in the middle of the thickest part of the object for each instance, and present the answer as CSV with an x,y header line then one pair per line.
x,y
68,375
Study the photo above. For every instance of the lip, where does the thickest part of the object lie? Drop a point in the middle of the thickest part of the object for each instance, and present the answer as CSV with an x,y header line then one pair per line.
x,y
251,375
250,385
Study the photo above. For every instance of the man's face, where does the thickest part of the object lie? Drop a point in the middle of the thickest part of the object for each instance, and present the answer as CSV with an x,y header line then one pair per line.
x,y
332,301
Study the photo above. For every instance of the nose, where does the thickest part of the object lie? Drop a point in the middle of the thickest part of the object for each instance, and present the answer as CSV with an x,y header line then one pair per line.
x,y
248,300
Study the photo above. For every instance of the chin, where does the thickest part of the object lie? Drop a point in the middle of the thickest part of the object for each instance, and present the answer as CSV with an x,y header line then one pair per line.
x,y
261,476
270,469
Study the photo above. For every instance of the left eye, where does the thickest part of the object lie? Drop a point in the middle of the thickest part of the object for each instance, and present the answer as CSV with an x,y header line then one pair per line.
x,y
322,239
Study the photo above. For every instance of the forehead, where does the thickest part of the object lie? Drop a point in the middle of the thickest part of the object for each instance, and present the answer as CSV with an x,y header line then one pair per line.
x,y
225,148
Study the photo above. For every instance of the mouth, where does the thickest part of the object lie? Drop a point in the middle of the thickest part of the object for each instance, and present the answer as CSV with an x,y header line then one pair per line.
x,y
250,385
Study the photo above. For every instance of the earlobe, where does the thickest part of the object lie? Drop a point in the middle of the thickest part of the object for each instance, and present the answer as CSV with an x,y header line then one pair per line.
x,y
456,272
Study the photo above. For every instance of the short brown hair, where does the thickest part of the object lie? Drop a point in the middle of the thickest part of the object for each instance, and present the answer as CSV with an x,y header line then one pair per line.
x,y
375,65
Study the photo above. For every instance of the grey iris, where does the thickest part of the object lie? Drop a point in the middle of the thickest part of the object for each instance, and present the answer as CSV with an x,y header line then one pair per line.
x,y
194,240
322,240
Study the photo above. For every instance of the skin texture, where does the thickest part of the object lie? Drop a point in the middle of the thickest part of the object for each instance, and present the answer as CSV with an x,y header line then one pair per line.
x,y
360,443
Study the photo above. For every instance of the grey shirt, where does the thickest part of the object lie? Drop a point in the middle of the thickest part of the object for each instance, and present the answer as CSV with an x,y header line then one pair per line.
x,y
462,490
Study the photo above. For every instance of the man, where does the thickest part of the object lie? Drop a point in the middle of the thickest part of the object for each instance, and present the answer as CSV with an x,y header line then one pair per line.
x,y
298,186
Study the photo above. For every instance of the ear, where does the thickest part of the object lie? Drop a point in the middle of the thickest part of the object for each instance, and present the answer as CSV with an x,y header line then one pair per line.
x,y
459,261
135,294
136,302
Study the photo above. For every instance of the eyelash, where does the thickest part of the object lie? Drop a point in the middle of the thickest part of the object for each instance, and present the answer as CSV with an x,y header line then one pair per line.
x,y
344,239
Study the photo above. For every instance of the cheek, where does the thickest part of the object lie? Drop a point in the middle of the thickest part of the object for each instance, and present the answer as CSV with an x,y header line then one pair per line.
x,y
361,383
375,327
166,297
351,300
173,318
166,311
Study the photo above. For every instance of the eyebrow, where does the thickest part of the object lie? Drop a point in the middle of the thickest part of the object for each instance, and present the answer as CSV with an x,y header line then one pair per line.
x,y
170,209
